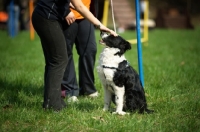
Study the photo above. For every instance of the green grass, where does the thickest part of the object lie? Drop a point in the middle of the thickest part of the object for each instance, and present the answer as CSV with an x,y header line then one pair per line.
x,y
171,72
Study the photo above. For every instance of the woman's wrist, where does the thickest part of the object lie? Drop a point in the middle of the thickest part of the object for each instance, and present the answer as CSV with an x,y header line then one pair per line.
x,y
98,26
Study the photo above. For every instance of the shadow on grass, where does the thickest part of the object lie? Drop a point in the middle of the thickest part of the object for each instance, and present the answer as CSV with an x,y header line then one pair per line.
x,y
20,93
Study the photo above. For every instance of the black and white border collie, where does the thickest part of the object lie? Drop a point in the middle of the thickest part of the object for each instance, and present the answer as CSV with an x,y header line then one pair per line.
x,y
120,81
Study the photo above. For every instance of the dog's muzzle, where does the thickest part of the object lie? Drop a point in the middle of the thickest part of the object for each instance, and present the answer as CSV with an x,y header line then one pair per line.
x,y
103,35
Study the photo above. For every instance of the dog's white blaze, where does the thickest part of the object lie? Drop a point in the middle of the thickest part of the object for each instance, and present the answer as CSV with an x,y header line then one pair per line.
x,y
104,35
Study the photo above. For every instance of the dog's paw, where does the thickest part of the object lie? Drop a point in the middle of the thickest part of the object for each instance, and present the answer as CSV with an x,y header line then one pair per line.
x,y
120,113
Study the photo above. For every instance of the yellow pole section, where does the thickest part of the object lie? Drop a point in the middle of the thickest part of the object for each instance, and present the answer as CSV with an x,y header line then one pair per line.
x,y
105,13
30,23
146,17
146,29
134,41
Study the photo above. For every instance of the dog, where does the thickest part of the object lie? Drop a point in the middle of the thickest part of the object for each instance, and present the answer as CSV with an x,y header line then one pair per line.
x,y
120,81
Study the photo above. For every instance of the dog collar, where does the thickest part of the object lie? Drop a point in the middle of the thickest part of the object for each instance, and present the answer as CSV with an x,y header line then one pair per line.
x,y
127,65
109,67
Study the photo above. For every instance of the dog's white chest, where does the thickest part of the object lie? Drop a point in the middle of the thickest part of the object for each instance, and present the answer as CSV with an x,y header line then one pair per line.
x,y
110,60
108,57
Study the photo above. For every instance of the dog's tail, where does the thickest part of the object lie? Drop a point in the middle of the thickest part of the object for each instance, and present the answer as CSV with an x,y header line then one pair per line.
x,y
148,111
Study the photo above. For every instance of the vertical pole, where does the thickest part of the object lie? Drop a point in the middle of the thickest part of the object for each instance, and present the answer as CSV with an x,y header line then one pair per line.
x,y
30,23
146,17
105,12
11,22
139,47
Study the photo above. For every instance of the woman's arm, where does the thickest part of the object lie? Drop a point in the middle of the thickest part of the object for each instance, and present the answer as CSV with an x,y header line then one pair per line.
x,y
71,6
80,7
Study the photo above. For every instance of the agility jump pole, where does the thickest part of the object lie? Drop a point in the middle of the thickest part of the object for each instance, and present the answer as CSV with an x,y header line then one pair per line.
x,y
11,31
139,44
30,23
145,23
105,12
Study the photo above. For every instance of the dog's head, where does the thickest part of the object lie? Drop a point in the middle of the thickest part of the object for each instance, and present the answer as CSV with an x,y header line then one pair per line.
x,y
115,42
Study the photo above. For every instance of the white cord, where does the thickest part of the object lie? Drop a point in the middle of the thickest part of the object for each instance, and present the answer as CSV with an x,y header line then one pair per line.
x,y
113,15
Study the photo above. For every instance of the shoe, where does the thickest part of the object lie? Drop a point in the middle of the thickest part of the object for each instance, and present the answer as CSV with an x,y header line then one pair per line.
x,y
63,91
63,94
72,99
94,95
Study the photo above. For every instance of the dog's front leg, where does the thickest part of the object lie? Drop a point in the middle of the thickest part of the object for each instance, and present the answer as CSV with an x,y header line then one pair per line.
x,y
107,99
119,99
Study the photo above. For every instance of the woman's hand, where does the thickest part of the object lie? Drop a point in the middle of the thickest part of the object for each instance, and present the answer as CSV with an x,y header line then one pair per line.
x,y
70,18
104,28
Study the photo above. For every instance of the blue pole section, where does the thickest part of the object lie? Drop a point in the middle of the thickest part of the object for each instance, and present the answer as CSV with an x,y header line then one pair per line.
x,y
139,47
11,22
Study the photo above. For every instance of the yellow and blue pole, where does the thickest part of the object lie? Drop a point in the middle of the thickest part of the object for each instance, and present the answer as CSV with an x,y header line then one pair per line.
x,y
139,45
146,31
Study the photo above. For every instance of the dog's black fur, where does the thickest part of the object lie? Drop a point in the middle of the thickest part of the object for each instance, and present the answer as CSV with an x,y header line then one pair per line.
x,y
125,75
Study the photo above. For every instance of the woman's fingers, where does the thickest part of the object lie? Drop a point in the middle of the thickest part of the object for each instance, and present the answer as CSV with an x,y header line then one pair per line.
x,y
103,28
70,20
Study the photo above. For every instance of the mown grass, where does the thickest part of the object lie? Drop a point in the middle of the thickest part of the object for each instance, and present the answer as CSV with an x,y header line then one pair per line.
x,y
171,72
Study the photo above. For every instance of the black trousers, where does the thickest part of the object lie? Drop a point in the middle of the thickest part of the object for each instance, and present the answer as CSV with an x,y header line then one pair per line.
x,y
54,49
81,32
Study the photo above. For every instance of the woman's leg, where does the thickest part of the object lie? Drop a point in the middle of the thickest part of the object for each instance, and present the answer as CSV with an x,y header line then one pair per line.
x,y
54,49
86,47
69,83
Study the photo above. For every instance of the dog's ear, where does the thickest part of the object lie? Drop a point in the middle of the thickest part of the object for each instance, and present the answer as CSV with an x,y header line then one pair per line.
x,y
127,45
124,46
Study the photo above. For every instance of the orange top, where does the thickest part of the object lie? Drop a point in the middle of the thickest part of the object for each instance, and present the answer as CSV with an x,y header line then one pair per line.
x,y
77,15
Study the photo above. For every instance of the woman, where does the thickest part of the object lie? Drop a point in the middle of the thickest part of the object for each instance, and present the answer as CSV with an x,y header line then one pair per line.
x,y
49,22
81,33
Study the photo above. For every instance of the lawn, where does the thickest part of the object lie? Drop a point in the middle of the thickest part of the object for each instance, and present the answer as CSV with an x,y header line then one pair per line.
x,y
171,61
